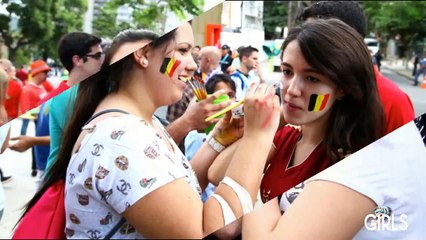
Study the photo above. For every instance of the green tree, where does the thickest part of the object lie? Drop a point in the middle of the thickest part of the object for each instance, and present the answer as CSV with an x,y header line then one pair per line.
x,y
404,18
150,15
40,25
274,15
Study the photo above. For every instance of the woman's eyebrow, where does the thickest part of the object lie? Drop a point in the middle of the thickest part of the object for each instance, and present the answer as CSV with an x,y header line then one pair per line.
x,y
188,45
284,64
307,70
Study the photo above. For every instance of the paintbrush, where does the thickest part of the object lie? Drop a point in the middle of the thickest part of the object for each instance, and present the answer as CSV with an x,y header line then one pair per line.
x,y
224,110
197,87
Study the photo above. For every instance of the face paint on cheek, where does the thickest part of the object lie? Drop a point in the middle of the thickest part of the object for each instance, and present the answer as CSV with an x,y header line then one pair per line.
x,y
169,66
317,102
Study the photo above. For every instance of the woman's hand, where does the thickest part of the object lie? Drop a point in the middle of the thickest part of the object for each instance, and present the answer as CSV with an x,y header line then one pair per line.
x,y
229,129
261,110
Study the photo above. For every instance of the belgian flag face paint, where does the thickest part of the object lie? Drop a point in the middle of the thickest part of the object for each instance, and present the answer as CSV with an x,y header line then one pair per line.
x,y
169,66
318,102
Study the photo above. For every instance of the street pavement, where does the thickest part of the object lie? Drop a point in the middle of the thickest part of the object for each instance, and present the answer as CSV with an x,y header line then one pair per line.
x,y
401,74
22,187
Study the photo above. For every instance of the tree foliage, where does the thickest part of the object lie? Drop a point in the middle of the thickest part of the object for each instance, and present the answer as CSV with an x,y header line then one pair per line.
x,y
274,15
281,14
149,15
41,23
404,18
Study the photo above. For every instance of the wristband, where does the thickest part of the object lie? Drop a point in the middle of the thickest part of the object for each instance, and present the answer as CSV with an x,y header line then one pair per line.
x,y
228,214
242,194
215,144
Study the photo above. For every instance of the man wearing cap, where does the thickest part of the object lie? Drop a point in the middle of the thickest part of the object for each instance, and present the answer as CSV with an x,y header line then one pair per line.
x,y
33,92
31,95
226,60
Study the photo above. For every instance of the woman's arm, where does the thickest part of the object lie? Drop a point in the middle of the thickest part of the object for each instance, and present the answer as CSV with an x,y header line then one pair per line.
x,y
218,168
324,210
175,210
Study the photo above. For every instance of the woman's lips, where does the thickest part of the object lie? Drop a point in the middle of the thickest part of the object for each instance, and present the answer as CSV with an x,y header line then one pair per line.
x,y
293,107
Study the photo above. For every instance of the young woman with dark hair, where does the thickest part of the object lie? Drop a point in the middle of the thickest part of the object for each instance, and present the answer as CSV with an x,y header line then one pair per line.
x,y
330,102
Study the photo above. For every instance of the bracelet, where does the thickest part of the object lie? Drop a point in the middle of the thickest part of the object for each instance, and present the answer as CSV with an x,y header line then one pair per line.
x,y
228,214
215,144
242,194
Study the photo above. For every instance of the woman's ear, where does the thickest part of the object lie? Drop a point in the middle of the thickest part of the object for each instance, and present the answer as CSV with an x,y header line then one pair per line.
x,y
140,56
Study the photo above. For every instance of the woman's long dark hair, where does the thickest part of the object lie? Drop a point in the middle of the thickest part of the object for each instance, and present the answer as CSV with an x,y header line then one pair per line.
x,y
90,93
339,52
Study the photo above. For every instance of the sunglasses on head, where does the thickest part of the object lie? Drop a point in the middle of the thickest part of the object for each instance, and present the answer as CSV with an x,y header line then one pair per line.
x,y
96,56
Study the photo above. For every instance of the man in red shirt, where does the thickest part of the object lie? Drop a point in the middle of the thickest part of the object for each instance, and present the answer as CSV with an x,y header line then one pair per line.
x,y
14,90
34,91
31,96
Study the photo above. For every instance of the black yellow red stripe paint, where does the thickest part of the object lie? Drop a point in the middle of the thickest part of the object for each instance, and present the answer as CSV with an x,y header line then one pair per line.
x,y
318,102
169,66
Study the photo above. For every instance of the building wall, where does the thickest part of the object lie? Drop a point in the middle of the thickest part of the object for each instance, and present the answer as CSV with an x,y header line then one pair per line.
x,y
242,24
213,16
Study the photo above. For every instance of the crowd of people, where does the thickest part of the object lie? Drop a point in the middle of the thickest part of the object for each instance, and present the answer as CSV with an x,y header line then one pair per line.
x,y
128,173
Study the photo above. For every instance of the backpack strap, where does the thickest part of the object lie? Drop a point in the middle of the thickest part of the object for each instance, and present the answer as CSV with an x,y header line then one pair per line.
x,y
238,75
103,112
115,228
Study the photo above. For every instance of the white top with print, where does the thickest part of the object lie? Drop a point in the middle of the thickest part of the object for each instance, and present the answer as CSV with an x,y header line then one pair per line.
x,y
391,172
120,160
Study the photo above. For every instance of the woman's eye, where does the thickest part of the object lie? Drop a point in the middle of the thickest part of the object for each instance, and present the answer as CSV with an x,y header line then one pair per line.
x,y
183,50
286,72
312,79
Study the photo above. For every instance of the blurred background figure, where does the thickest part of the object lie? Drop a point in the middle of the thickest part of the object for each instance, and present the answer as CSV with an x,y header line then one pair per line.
x,y
421,70
195,54
226,60
31,96
13,92
4,131
209,62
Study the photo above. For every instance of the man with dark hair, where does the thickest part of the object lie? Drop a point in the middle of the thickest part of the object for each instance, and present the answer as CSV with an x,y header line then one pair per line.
x,y
249,60
81,54
396,103
348,11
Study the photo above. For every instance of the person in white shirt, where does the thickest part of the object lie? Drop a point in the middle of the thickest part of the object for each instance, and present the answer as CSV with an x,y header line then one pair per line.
x,y
249,60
